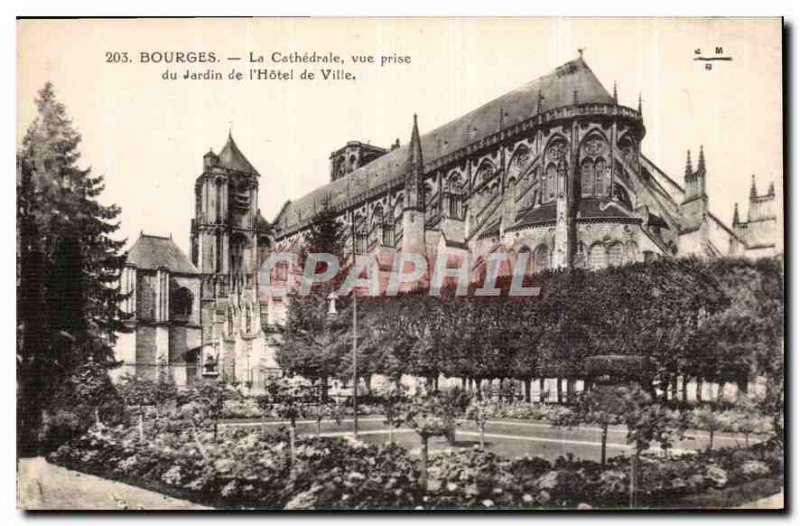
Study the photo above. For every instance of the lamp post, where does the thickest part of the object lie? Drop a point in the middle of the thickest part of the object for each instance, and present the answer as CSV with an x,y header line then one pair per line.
x,y
355,329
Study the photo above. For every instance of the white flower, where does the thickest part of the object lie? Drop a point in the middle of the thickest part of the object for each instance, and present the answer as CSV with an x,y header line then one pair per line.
x,y
488,503
527,499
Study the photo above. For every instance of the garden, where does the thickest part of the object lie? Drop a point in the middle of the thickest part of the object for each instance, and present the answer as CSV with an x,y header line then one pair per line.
x,y
176,443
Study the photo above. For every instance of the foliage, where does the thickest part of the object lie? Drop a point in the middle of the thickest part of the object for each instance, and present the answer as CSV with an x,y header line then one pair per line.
x,y
250,469
68,265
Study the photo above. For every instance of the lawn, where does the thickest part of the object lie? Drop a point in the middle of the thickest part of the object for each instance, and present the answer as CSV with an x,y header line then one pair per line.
x,y
508,438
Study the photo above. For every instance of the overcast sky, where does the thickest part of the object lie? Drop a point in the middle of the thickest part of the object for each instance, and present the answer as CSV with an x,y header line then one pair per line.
x,y
148,136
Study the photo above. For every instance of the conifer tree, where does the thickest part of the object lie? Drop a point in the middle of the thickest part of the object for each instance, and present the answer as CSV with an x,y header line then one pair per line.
x,y
68,262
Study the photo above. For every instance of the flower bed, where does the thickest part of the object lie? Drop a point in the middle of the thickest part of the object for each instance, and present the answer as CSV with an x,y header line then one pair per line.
x,y
254,469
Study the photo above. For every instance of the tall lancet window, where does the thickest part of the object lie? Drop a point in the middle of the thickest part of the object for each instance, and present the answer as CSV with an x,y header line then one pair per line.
x,y
602,183
587,178
453,196
551,182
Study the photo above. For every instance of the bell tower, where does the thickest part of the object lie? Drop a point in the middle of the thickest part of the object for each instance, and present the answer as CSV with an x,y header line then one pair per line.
x,y
224,245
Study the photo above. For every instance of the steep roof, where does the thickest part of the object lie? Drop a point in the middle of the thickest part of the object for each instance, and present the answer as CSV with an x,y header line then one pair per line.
x,y
231,157
155,252
573,80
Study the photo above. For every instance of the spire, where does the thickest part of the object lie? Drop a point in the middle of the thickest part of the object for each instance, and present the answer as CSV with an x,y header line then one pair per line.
x,y
414,181
735,214
701,162
771,191
502,112
753,193
539,101
639,109
415,148
688,172
616,100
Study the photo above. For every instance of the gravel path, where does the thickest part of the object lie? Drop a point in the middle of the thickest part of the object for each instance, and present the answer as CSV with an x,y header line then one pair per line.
x,y
43,486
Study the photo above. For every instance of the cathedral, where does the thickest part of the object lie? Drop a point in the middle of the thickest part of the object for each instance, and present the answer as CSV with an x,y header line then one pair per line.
x,y
552,170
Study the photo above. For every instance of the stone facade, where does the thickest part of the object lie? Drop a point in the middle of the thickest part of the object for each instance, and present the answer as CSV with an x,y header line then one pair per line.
x,y
552,171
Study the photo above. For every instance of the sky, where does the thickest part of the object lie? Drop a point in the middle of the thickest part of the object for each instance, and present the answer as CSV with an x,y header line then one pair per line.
x,y
147,136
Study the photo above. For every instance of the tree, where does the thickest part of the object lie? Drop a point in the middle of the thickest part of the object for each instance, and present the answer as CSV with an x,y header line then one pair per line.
x,y
480,411
429,415
601,406
140,392
284,399
203,404
313,340
393,407
646,422
68,263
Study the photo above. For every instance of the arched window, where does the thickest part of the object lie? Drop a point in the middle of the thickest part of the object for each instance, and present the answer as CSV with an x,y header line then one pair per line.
x,y
587,178
541,258
361,234
181,303
551,182
597,257
601,179
453,196
615,254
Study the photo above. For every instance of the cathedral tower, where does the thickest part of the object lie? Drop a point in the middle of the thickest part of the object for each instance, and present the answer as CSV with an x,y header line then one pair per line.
x,y
224,241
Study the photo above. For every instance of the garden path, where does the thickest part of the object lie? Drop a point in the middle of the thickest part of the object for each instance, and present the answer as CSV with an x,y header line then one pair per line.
x,y
43,486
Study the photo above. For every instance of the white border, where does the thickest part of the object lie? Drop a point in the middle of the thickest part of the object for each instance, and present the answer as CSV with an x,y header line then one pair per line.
x,y
10,10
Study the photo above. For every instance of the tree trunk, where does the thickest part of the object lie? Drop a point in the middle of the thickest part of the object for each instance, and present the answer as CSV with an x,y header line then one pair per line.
x,y
720,392
528,389
684,389
436,382
324,389
634,477
559,393
424,475
698,390
292,432
603,440
483,433
319,426
464,383
541,390
141,425
711,439
570,390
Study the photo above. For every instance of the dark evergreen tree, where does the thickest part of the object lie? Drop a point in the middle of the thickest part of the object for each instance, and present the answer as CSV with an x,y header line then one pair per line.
x,y
69,265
